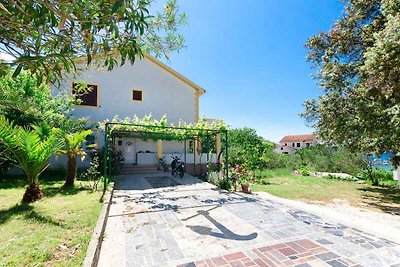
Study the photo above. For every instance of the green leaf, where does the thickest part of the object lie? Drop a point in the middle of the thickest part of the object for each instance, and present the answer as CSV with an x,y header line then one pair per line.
x,y
17,71
115,7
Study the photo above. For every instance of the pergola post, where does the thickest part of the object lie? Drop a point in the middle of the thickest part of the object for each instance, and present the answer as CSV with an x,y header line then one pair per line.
x,y
194,156
159,149
226,160
105,156
218,143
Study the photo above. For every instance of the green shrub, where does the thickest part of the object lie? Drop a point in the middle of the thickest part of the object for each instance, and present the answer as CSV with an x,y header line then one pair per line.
x,y
348,178
216,178
376,176
304,170
92,174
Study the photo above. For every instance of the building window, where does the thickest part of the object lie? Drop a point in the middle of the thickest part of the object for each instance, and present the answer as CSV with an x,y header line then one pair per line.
x,y
292,144
298,144
307,144
137,95
85,96
281,148
285,144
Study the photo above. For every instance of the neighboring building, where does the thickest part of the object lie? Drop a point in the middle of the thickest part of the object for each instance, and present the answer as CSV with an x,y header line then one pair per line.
x,y
147,87
289,144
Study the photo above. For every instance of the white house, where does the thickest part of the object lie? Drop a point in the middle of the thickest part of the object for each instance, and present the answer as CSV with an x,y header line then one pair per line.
x,y
147,87
289,144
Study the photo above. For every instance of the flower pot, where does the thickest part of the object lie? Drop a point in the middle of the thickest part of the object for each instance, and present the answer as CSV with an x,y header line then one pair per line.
x,y
245,188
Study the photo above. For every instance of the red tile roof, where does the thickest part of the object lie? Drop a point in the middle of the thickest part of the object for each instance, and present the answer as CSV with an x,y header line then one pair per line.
x,y
299,138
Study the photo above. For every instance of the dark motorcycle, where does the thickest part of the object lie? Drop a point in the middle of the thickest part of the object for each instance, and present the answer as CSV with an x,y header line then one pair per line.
x,y
177,166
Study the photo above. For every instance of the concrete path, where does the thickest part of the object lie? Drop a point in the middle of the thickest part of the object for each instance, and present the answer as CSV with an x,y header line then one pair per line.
x,y
187,222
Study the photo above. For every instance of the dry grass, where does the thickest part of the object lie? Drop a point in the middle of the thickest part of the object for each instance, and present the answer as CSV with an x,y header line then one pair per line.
x,y
311,189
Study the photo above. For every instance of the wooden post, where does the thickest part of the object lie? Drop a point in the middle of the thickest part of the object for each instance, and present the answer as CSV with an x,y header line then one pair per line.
x,y
159,149
218,143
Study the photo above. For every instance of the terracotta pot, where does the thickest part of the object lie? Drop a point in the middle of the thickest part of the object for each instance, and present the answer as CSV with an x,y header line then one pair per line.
x,y
245,188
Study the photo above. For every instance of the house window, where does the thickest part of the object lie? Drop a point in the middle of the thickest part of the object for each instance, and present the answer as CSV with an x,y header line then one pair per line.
x,y
307,144
281,148
86,97
292,144
298,144
137,95
285,144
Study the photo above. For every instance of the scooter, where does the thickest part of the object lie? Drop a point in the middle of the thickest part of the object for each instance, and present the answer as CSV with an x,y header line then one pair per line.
x,y
177,166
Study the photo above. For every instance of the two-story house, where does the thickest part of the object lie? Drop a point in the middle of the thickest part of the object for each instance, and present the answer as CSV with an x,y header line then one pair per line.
x,y
290,144
147,87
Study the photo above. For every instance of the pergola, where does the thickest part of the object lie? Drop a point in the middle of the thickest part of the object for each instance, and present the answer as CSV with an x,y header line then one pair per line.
x,y
160,133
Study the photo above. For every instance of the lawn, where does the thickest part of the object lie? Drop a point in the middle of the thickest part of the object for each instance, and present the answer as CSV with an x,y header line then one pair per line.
x,y
54,231
283,183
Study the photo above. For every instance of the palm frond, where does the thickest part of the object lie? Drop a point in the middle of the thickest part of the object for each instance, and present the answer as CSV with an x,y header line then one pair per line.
x,y
31,149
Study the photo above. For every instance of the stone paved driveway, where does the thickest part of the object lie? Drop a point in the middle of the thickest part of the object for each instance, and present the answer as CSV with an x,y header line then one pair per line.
x,y
187,222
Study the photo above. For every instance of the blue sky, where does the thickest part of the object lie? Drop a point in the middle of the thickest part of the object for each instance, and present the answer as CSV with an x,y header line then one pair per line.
x,y
250,57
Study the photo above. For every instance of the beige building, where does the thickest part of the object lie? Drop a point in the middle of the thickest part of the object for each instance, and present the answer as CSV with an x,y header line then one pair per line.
x,y
290,144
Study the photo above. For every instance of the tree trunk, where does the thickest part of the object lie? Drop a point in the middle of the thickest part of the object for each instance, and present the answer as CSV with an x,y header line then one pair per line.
x,y
72,168
32,193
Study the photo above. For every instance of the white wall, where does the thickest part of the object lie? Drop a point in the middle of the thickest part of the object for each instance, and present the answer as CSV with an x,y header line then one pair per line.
x,y
163,93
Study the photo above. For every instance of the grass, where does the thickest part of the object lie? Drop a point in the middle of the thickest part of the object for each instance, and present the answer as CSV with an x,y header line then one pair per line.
x,y
283,183
54,231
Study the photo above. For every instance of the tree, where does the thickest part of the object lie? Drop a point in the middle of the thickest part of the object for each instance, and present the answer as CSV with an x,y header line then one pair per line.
x,y
32,149
359,72
25,102
248,148
46,37
72,149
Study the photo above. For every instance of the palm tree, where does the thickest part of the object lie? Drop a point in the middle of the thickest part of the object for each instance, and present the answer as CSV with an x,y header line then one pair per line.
x,y
72,149
32,150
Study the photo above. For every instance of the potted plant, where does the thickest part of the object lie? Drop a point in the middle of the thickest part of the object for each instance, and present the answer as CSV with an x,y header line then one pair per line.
x,y
244,183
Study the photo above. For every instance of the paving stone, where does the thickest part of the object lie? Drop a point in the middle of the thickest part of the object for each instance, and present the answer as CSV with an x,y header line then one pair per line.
x,y
303,265
324,242
197,222
327,256
336,263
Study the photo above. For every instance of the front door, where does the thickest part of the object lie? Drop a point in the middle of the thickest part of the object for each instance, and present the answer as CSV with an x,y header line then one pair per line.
x,y
129,152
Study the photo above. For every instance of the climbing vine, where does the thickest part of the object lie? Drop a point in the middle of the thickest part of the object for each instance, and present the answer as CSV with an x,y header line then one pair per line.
x,y
149,128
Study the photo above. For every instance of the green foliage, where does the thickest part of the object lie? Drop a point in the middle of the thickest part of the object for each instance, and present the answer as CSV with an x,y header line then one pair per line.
x,y
216,178
343,178
358,63
7,161
149,128
325,158
304,170
30,150
25,101
240,174
73,144
376,176
248,149
92,174
52,35
113,154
